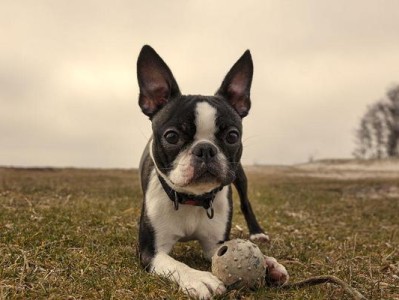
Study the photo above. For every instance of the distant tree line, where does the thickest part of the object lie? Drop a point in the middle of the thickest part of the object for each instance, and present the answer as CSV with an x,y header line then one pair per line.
x,y
378,134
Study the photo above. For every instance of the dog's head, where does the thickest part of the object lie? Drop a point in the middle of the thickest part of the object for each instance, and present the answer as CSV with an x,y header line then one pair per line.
x,y
196,144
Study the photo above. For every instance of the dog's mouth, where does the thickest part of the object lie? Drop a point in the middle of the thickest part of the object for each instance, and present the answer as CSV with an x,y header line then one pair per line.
x,y
202,169
203,174
212,173
206,176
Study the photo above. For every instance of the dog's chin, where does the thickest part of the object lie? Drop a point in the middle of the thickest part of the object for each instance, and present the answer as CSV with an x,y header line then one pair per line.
x,y
198,186
201,183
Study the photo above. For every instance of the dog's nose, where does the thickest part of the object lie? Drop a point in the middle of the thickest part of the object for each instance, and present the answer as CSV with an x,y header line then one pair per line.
x,y
205,151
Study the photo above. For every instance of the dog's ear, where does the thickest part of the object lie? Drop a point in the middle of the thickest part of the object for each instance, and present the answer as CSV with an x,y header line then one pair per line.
x,y
236,85
156,81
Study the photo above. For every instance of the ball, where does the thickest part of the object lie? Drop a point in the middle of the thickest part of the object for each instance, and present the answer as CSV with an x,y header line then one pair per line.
x,y
240,263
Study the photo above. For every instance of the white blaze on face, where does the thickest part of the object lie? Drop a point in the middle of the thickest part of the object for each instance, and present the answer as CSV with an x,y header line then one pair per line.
x,y
205,122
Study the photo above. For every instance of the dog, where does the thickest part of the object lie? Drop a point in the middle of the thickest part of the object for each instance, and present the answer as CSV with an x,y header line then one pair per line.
x,y
188,167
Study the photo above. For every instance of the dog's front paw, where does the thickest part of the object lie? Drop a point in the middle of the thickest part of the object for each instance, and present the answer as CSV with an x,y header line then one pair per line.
x,y
276,273
201,285
259,237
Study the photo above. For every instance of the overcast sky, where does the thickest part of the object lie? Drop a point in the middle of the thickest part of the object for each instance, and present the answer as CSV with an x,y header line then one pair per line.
x,y
68,87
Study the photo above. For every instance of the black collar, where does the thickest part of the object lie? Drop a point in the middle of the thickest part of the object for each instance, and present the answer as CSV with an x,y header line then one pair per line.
x,y
204,200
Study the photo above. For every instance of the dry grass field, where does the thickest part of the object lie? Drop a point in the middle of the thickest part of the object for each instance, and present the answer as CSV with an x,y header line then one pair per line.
x,y
72,233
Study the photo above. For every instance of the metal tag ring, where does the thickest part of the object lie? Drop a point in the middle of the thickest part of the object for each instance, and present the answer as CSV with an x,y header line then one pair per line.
x,y
210,213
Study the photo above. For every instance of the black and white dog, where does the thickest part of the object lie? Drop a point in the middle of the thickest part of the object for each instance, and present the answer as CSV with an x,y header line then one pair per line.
x,y
188,167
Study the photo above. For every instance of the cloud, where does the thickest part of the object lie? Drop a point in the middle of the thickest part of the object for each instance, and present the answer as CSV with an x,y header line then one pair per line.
x,y
68,90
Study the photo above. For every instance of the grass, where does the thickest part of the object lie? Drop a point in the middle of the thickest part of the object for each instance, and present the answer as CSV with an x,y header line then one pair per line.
x,y
72,234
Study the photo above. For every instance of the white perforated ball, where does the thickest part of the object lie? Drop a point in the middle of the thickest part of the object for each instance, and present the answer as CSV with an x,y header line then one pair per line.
x,y
240,263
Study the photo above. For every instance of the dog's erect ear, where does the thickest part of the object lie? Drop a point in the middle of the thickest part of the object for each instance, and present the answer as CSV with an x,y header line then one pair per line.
x,y
156,81
236,85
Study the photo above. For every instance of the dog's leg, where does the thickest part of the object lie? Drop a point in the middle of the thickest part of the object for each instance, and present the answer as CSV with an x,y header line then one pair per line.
x,y
255,231
198,284
154,245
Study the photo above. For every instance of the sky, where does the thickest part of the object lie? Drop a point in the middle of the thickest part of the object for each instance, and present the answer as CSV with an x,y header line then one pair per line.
x,y
69,93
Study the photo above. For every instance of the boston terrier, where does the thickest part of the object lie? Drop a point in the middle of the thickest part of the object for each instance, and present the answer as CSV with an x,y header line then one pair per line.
x,y
188,167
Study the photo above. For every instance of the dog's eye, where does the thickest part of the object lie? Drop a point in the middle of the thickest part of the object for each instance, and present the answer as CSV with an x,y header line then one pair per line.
x,y
232,136
171,136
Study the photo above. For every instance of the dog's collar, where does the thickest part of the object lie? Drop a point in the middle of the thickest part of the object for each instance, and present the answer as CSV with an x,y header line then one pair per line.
x,y
204,200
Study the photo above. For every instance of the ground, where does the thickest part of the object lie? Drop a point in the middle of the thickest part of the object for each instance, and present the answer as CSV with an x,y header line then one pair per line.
x,y
72,233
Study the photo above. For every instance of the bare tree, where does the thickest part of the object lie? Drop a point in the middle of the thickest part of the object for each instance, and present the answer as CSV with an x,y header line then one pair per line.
x,y
378,133
393,122
363,139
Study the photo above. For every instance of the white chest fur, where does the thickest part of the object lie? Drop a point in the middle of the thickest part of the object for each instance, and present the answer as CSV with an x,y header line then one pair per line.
x,y
186,223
